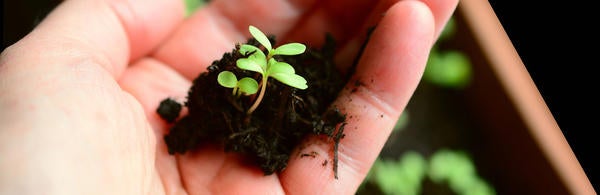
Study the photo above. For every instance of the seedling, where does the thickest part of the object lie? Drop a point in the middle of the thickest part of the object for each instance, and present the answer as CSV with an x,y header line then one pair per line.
x,y
245,86
269,136
266,65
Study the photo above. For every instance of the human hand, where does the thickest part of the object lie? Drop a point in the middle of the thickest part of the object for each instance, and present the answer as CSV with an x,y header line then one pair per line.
x,y
79,93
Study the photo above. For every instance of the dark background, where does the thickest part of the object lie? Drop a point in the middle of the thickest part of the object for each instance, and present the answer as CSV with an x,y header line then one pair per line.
x,y
554,40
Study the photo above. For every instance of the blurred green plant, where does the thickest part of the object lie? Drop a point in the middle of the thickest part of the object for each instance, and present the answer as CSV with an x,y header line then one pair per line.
x,y
402,176
448,68
406,175
457,170
193,5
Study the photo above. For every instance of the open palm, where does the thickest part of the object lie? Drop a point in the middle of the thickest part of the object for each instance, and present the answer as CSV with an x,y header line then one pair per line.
x,y
79,93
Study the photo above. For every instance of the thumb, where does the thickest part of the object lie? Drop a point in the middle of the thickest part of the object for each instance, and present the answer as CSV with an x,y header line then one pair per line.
x,y
387,74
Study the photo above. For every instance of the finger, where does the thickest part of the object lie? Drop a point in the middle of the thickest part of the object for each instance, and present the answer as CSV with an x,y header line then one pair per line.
x,y
388,73
216,29
442,11
150,81
107,33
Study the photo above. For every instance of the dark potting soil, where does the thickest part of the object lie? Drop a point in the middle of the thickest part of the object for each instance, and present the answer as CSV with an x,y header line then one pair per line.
x,y
284,118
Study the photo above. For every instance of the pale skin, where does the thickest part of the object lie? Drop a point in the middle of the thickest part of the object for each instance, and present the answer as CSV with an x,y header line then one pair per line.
x,y
78,94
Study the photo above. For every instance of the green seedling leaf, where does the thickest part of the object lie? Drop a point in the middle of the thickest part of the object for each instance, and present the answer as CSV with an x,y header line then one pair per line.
x,y
260,37
293,80
227,79
272,61
246,49
267,66
260,59
248,85
251,64
290,49
281,67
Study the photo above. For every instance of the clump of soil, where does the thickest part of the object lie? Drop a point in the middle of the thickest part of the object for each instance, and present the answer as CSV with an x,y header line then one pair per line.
x,y
279,124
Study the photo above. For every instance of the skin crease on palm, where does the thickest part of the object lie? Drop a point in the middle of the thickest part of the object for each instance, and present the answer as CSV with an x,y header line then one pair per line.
x,y
78,94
